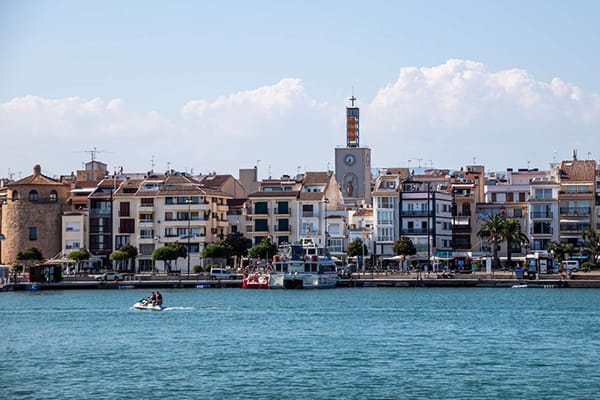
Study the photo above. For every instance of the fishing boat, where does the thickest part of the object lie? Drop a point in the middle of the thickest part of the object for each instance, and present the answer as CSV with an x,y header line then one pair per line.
x,y
302,265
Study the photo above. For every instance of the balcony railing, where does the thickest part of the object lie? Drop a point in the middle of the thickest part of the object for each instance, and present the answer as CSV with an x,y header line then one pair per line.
x,y
546,231
575,210
461,228
414,213
414,231
541,214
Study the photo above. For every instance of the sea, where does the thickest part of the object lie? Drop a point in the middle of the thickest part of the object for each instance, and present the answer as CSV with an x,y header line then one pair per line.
x,y
352,343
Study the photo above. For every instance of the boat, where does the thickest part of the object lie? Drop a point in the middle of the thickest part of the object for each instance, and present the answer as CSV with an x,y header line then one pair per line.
x,y
256,280
302,265
519,285
143,304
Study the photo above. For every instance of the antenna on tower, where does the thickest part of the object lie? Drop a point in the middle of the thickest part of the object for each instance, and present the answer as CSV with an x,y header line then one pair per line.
x,y
152,164
93,153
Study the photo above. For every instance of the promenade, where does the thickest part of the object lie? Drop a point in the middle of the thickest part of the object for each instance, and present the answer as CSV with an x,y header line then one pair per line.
x,y
369,279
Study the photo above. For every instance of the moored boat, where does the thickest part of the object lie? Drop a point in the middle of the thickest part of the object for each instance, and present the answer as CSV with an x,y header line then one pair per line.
x,y
256,280
302,266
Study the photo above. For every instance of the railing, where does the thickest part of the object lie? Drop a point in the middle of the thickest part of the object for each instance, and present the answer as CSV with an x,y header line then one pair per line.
x,y
547,231
414,213
414,231
461,228
575,210
541,214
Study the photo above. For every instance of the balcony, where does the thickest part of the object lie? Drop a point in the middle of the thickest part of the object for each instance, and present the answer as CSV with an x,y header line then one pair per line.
x,y
575,210
543,231
461,228
414,213
282,228
541,215
282,211
415,231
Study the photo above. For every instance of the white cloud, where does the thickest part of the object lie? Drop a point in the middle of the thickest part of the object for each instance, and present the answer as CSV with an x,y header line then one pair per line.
x,y
449,114
453,112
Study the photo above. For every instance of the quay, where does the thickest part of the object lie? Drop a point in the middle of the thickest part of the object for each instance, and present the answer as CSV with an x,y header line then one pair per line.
x,y
432,280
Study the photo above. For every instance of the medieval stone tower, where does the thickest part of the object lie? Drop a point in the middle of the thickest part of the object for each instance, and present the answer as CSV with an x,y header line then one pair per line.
x,y
31,216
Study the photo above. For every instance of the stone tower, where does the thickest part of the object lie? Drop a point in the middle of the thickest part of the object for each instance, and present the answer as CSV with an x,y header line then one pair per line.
x,y
31,216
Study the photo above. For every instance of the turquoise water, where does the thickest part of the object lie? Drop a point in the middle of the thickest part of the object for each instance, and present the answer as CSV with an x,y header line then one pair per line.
x,y
370,343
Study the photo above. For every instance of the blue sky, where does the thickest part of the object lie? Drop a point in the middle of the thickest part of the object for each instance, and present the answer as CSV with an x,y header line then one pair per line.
x,y
216,86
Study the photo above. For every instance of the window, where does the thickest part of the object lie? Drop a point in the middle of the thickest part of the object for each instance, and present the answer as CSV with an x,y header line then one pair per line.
x,y
147,202
15,195
261,225
53,196
146,248
33,195
127,225
307,210
542,193
517,213
73,227
261,207
124,209
146,233
32,233
121,240
72,244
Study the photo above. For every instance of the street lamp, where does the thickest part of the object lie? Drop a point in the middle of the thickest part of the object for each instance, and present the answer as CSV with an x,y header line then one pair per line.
x,y
189,232
325,202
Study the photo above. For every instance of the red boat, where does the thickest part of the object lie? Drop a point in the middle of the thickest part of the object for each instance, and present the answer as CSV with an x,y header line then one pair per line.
x,y
256,280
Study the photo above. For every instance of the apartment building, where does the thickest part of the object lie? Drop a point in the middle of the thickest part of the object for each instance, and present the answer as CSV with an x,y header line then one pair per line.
x,y
576,199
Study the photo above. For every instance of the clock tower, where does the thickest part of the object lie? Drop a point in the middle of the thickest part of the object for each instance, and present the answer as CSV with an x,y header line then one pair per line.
x,y
352,162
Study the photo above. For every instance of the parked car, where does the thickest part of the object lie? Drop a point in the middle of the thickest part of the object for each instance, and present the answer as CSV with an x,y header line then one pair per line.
x,y
109,276
571,265
221,273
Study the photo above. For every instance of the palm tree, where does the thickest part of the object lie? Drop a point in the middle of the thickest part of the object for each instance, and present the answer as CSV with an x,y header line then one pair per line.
x,y
592,238
512,234
493,228
560,249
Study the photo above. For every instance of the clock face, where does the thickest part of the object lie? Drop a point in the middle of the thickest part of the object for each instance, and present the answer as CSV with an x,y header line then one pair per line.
x,y
349,159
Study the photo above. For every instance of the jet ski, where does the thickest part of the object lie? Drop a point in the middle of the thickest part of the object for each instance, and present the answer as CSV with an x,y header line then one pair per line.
x,y
144,304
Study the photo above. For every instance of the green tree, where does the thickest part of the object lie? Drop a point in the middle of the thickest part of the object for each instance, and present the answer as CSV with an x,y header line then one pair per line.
x,y
404,247
237,244
30,254
215,250
512,233
357,248
493,229
166,254
263,250
118,256
132,253
592,244
78,256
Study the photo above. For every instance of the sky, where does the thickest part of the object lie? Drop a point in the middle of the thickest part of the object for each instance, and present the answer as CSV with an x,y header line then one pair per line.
x,y
218,86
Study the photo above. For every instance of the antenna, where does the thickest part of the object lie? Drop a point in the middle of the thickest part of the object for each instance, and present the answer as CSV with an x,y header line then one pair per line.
x,y
528,165
419,160
269,171
152,163
555,156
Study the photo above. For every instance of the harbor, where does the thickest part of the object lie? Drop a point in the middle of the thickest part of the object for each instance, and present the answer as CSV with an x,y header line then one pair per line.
x,y
501,279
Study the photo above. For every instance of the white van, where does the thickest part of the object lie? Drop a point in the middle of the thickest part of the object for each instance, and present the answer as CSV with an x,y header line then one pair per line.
x,y
571,265
221,273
